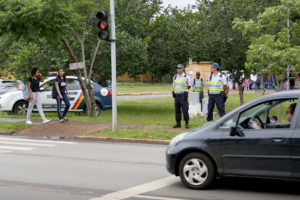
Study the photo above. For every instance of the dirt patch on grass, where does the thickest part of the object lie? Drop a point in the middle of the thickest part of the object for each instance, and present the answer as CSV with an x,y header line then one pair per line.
x,y
75,128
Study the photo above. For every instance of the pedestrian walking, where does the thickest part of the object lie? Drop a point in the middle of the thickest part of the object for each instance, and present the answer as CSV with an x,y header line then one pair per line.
x,y
33,85
198,85
218,92
61,93
247,84
257,83
181,84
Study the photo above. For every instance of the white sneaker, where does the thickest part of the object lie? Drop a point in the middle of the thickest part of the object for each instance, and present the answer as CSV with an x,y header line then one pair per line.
x,y
28,122
46,121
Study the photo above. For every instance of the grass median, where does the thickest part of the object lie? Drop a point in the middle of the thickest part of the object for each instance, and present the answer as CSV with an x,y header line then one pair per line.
x,y
11,127
159,134
156,111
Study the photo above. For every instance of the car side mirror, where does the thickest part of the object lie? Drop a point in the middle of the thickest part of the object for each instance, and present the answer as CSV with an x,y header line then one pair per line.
x,y
42,89
235,131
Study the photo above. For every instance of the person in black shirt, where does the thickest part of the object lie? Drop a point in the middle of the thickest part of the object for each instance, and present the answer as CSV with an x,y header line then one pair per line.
x,y
34,95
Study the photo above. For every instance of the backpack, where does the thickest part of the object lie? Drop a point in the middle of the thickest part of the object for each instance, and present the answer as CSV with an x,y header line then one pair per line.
x,y
175,76
195,81
25,91
211,77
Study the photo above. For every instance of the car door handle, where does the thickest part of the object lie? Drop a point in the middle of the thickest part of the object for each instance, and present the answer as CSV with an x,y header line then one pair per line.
x,y
278,140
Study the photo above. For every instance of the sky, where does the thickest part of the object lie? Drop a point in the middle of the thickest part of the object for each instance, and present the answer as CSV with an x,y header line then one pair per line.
x,y
179,3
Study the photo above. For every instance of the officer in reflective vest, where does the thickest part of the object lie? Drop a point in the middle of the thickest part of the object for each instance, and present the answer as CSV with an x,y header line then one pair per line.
x,y
216,92
198,85
181,83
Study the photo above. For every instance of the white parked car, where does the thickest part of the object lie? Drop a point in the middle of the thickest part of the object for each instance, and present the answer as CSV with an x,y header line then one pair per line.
x,y
15,102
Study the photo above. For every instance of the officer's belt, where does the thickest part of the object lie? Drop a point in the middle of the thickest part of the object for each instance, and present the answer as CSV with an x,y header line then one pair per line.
x,y
179,95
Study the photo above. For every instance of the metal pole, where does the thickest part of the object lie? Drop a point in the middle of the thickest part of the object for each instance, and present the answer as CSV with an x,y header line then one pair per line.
x,y
288,67
113,66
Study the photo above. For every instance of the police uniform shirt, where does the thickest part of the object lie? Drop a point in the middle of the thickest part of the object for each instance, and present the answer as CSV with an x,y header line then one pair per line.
x,y
198,82
181,83
218,77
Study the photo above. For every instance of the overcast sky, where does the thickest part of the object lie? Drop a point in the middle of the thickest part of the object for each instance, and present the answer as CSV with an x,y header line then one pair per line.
x,y
179,3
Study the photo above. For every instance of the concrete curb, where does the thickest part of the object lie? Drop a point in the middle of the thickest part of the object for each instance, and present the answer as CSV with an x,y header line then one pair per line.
x,y
130,140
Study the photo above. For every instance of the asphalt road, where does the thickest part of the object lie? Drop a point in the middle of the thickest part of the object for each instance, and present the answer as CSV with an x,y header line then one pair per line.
x,y
72,170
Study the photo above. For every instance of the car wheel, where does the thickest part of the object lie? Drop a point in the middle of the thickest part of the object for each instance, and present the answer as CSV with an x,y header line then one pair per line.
x,y
98,109
20,107
197,171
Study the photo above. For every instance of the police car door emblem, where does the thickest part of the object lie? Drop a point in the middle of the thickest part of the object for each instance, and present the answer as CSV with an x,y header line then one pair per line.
x,y
104,92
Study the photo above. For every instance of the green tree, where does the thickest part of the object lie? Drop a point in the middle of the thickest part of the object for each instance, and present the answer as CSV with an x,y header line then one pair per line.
x,y
274,37
56,21
221,43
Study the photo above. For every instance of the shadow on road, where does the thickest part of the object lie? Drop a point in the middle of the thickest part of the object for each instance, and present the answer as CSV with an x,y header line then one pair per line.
x,y
258,185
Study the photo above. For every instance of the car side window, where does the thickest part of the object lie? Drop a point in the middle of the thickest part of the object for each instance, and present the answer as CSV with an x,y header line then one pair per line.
x,y
73,84
227,124
48,86
269,115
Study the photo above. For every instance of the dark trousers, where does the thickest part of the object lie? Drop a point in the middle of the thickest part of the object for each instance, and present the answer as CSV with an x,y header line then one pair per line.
x,y
181,103
67,103
201,96
217,99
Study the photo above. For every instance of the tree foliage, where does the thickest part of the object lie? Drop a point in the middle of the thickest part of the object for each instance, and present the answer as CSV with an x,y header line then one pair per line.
x,y
274,43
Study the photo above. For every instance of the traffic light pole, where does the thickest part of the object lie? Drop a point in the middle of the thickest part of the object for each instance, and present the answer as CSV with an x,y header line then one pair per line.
x,y
113,66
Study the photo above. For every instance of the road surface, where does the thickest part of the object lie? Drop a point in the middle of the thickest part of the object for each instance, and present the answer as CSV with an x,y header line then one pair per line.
x,y
73,170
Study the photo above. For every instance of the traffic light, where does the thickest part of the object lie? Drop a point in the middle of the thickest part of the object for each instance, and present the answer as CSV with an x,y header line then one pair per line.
x,y
103,25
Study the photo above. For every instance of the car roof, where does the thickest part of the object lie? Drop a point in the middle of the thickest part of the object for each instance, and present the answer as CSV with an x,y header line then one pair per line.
x,y
54,77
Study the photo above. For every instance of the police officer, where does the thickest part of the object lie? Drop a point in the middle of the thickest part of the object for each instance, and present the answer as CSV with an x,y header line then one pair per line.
x,y
217,88
198,85
181,83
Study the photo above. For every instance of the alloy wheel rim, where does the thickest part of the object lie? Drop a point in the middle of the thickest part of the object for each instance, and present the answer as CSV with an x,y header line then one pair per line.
x,y
22,108
195,171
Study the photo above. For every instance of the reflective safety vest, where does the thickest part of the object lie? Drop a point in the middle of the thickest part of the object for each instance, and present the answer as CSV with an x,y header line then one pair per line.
x,y
180,85
216,86
198,85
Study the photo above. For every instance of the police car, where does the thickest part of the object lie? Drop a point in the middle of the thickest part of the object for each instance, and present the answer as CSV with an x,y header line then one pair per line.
x,y
15,102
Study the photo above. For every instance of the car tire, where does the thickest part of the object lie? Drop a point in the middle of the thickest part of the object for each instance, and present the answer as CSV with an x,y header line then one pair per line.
x,y
98,109
20,107
197,171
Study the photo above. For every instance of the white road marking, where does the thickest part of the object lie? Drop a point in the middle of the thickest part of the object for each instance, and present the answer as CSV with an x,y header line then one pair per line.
x,y
28,144
3,151
158,198
38,141
16,148
140,189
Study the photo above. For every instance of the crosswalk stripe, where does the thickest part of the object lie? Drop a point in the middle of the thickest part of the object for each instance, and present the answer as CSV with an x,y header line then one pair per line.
x,y
27,144
140,189
157,198
3,151
16,148
38,141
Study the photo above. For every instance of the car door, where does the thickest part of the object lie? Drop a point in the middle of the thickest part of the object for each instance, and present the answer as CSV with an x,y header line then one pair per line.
x,y
295,145
48,103
263,152
76,96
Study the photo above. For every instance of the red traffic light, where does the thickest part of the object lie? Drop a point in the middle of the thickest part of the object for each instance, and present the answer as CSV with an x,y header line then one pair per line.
x,y
102,25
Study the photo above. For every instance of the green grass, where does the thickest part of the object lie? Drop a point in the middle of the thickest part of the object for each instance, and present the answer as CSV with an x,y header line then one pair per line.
x,y
159,111
11,127
136,87
133,87
161,134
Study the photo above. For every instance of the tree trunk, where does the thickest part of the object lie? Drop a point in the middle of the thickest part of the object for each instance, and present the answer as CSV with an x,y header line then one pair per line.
x,y
241,92
79,76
